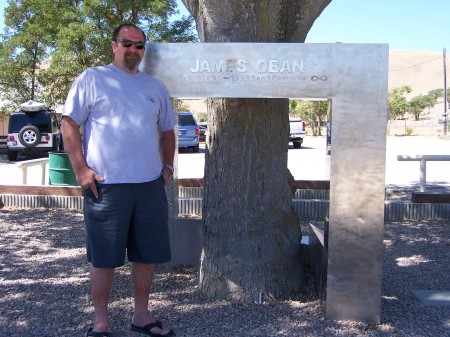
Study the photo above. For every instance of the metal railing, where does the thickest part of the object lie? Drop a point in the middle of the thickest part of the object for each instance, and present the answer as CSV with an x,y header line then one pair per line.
x,y
37,169
30,172
314,204
191,200
423,165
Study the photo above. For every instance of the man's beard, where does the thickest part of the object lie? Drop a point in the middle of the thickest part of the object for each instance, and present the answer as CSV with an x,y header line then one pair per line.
x,y
131,61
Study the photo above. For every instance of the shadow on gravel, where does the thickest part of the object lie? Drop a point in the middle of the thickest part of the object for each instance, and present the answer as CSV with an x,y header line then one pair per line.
x,y
404,192
416,257
43,274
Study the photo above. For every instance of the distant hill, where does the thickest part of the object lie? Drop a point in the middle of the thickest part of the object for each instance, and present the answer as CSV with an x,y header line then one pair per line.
x,y
423,71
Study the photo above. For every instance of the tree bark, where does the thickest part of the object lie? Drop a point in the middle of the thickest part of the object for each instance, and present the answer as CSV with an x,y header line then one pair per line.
x,y
251,233
254,20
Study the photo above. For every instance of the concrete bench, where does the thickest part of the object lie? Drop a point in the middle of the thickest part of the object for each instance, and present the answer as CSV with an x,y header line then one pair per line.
x,y
423,165
3,141
430,197
314,253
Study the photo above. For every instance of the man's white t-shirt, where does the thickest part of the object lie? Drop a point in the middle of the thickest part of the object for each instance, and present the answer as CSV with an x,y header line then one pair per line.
x,y
121,114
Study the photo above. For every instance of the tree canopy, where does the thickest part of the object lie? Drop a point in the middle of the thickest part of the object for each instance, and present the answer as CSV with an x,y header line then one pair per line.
x,y
47,43
399,104
313,112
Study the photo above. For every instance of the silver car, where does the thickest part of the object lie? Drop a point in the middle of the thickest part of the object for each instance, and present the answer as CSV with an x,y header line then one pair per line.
x,y
188,131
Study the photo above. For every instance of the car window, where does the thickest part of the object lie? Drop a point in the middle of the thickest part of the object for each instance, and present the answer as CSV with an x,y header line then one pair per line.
x,y
184,120
18,121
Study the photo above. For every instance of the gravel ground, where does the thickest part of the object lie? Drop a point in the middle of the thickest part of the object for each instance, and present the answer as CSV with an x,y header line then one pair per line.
x,y
44,287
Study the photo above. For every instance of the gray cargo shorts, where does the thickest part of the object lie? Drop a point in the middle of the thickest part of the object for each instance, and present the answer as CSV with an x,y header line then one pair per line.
x,y
127,220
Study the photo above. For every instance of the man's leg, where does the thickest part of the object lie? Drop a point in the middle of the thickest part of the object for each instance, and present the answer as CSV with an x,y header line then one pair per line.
x,y
101,283
107,222
142,276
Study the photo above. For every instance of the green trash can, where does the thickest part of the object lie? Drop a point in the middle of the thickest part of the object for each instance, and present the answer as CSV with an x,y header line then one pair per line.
x,y
60,169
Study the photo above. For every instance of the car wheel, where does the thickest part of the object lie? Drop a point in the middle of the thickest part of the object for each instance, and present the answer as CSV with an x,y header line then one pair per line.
x,y
196,148
296,145
29,136
12,155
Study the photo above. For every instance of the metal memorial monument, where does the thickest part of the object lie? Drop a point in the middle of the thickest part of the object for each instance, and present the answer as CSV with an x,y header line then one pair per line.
x,y
355,78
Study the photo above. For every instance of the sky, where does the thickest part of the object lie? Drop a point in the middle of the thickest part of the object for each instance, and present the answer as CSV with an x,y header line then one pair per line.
x,y
404,24
421,25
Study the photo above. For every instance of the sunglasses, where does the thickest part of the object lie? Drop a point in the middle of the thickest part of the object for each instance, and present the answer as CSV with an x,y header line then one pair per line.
x,y
128,43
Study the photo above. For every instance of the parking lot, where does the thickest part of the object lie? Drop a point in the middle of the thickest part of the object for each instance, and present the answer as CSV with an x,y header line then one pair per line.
x,y
310,161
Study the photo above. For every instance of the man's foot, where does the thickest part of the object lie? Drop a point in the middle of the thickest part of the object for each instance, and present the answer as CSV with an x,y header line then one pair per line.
x,y
154,329
91,333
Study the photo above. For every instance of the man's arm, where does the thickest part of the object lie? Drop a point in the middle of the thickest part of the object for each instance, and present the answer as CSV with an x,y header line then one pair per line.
x,y
72,144
167,152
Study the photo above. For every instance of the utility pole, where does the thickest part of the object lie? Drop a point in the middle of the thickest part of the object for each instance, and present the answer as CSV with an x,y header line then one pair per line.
x,y
445,92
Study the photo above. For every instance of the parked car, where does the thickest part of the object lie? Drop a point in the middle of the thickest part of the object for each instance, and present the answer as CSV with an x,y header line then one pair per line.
x,y
33,129
203,128
188,131
296,132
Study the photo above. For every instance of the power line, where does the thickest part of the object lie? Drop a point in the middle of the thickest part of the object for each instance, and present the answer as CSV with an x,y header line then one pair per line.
x,y
444,56
416,65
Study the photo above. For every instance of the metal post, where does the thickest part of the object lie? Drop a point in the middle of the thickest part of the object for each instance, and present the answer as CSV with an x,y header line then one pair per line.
x,y
172,188
445,91
423,174
24,174
43,170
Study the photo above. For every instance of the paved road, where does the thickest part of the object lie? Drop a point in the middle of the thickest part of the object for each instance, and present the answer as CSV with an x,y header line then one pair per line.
x,y
310,162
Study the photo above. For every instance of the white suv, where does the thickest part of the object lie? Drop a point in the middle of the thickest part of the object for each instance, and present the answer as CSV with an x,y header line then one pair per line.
x,y
33,129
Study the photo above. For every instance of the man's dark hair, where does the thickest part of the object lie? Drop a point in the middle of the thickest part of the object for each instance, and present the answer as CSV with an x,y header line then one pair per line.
x,y
117,30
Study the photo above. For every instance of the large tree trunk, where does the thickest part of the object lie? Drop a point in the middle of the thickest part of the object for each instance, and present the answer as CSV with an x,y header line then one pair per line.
x,y
251,233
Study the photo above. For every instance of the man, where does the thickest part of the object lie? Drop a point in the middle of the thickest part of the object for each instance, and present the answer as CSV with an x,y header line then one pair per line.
x,y
122,166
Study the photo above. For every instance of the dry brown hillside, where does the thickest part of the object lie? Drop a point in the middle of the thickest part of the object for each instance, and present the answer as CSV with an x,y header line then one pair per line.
x,y
423,71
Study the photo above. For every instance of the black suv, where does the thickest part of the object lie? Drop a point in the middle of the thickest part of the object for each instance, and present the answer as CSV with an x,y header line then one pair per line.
x,y
33,129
